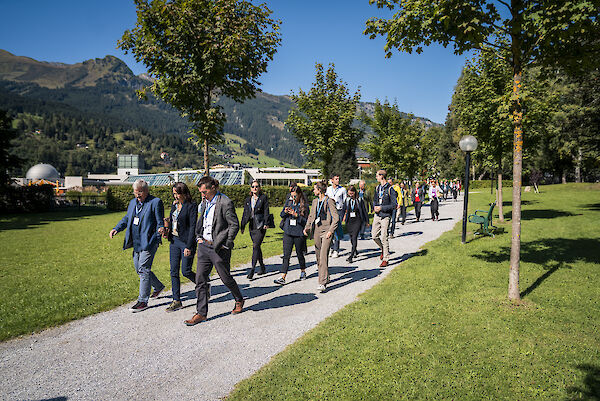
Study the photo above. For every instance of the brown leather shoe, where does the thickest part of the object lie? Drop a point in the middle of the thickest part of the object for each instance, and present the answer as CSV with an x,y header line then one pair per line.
x,y
239,305
197,318
384,263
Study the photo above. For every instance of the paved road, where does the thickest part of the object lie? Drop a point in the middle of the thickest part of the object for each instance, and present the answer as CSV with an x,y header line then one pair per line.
x,y
152,355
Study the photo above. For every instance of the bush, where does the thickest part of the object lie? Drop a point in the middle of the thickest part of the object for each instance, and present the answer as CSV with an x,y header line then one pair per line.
x,y
35,198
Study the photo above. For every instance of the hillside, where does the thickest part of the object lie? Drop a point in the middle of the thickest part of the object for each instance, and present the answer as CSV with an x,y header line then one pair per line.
x,y
100,94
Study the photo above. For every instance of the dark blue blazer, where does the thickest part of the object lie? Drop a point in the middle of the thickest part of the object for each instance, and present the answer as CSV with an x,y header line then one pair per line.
x,y
186,224
151,219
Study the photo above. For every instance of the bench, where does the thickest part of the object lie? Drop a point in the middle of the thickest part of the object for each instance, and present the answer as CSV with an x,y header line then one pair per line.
x,y
484,220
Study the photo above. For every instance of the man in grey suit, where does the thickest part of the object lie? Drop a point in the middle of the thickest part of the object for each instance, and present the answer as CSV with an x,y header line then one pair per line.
x,y
215,231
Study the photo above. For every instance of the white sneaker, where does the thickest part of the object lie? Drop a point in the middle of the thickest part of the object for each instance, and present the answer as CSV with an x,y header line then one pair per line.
x,y
321,288
335,254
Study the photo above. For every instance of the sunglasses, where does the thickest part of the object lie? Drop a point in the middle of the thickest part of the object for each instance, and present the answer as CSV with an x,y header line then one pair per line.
x,y
254,186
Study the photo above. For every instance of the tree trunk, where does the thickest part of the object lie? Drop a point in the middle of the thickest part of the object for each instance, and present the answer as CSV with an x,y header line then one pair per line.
x,y
206,168
578,165
515,245
499,196
564,176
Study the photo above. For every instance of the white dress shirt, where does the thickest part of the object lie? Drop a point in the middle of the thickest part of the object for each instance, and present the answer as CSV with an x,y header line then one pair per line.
x,y
338,195
207,222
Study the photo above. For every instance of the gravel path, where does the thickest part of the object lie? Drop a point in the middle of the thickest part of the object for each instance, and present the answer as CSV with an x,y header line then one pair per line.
x,y
118,355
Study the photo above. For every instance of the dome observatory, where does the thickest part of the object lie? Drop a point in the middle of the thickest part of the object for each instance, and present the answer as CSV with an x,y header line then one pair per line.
x,y
43,172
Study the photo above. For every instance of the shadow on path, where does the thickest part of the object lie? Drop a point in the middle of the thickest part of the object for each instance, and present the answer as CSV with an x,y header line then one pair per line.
x,y
283,301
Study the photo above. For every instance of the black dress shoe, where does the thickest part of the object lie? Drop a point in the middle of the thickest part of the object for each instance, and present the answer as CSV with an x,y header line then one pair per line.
x,y
262,270
250,274
349,260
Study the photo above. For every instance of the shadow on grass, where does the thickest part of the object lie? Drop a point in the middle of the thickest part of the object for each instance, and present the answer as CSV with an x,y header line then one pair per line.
x,y
540,214
523,202
552,254
33,220
590,390
591,206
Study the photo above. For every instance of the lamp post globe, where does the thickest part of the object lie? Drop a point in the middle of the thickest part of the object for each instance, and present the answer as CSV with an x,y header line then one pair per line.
x,y
467,144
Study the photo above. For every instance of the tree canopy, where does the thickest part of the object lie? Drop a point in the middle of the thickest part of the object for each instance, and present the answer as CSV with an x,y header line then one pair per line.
x,y
199,50
322,118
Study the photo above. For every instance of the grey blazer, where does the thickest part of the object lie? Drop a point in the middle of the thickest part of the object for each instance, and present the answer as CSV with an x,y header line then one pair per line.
x,y
225,224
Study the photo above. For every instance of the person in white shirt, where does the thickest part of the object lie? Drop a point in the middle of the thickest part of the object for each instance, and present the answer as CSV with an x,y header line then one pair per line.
x,y
434,194
339,195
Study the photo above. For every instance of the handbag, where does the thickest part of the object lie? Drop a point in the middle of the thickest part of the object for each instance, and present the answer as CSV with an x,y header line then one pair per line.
x,y
270,221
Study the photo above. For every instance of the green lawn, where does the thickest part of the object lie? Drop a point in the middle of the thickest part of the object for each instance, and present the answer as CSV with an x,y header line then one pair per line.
x,y
440,326
61,266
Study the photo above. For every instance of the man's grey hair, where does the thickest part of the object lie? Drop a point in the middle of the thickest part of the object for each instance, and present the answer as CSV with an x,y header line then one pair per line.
x,y
140,185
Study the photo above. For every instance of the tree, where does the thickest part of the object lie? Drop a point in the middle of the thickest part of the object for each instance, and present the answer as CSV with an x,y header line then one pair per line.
x,y
8,161
344,164
322,118
394,144
199,50
551,32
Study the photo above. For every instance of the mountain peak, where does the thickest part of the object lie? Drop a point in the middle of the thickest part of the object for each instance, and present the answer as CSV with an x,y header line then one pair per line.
x,y
57,75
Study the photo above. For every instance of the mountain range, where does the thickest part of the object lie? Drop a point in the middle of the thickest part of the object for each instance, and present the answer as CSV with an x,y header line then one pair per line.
x,y
53,101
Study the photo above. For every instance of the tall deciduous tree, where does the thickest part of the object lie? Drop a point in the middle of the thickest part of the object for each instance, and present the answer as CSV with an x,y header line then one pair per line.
x,y
198,50
322,118
394,144
544,32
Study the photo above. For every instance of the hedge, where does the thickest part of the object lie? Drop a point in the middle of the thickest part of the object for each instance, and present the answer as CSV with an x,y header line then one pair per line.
x,y
119,197
35,198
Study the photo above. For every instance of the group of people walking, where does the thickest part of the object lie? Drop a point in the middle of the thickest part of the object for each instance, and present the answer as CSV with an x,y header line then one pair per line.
x,y
209,229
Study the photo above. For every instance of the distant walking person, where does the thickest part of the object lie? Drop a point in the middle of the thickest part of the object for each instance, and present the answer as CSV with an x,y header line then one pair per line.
x,y
366,199
392,227
181,232
403,201
294,216
323,220
144,224
215,231
418,196
434,203
383,205
355,217
256,214
338,194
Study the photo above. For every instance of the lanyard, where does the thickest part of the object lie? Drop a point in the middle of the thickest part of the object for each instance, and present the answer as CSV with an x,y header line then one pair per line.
x,y
381,192
321,206
138,208
352,204
209,205
335,192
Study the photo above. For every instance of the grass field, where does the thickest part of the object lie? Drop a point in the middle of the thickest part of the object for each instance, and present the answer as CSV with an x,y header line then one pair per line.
x,y
440,326
61,266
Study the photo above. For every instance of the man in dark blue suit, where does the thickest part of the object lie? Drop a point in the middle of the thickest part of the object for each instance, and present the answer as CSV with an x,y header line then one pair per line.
x,y
144,224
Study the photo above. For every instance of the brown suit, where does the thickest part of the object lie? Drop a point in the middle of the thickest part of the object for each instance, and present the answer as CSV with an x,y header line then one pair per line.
x,y
327,225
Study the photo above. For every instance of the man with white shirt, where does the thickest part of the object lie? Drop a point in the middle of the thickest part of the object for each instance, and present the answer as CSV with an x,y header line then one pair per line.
x,y
215,231
338,194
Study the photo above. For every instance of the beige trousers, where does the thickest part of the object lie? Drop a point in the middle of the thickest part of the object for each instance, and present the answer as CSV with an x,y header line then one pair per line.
x,y
322,245
380,235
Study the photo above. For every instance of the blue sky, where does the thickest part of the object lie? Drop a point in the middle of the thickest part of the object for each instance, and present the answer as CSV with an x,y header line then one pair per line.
x,y
325,31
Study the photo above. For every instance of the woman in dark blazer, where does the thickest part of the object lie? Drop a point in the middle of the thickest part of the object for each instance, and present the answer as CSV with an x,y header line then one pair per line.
x,y
293,217
256,213
355,216
182,235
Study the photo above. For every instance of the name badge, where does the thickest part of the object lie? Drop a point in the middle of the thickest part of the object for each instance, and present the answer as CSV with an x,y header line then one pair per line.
x,y
136,221
352,214
292,222
318,220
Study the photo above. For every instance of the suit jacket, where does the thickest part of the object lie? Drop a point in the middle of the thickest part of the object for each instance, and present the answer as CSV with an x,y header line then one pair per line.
x,y
151,219
225,223
186,224
333,217
261,212
298,229
360,208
